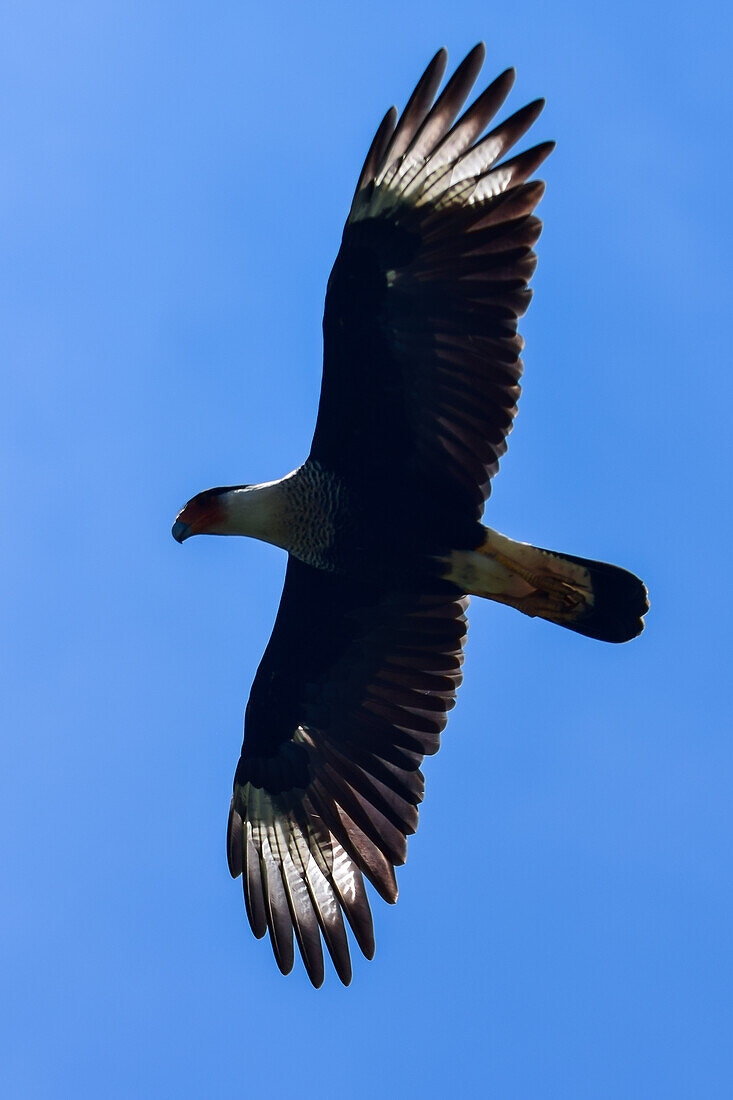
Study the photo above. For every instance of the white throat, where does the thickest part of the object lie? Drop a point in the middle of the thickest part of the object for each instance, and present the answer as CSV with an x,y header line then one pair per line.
x,y
260,511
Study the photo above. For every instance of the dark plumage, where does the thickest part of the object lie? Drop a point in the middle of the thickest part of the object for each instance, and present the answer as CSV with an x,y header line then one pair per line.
x,y
382,523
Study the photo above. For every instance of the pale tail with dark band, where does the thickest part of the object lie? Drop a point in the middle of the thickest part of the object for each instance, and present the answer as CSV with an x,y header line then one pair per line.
x,y
591,597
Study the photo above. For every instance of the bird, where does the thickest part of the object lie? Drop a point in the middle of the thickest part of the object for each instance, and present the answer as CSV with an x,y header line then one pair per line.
x,y
382,523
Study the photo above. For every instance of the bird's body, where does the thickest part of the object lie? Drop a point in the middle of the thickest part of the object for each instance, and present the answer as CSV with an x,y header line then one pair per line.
x,y
384,531
382,523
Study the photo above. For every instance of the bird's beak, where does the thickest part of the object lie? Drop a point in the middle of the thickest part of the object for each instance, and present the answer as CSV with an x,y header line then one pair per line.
x,y
180,531
203,515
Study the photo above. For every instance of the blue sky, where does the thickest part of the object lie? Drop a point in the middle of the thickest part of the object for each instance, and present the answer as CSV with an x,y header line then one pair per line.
x,y
174,186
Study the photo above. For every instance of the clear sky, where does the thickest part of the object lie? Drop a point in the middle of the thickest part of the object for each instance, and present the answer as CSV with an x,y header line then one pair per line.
x,y
174,183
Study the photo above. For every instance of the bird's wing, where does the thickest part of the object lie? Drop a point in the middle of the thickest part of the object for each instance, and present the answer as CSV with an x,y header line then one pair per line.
x,y
421,352
352,692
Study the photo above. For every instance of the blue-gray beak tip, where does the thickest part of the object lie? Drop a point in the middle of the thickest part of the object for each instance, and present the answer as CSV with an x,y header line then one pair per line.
x,y
180,531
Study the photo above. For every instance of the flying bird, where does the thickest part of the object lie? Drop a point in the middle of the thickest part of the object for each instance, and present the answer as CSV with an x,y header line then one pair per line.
x,y
382,522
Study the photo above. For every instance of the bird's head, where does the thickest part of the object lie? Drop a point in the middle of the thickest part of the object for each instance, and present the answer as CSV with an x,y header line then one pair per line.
x,y
207,513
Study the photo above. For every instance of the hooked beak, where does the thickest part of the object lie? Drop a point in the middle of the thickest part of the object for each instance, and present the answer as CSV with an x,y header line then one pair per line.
x,y
203,515
180,531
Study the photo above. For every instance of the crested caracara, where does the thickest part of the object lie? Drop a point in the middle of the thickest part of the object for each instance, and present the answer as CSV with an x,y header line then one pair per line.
x,y
382,523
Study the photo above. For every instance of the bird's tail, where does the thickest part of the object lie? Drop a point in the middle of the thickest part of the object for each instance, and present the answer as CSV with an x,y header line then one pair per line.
x,y
591,597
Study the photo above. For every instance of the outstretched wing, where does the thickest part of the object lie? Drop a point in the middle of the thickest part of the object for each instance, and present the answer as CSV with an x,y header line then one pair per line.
x,y
352,692
421,352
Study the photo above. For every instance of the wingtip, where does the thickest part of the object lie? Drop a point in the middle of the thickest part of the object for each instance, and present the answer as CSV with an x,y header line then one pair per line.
x,y
473,61
544,151
438,63
285,965
234,842
316,980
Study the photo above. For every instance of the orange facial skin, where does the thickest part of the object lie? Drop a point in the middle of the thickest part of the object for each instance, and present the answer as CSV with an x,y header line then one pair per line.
x,y
203,515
